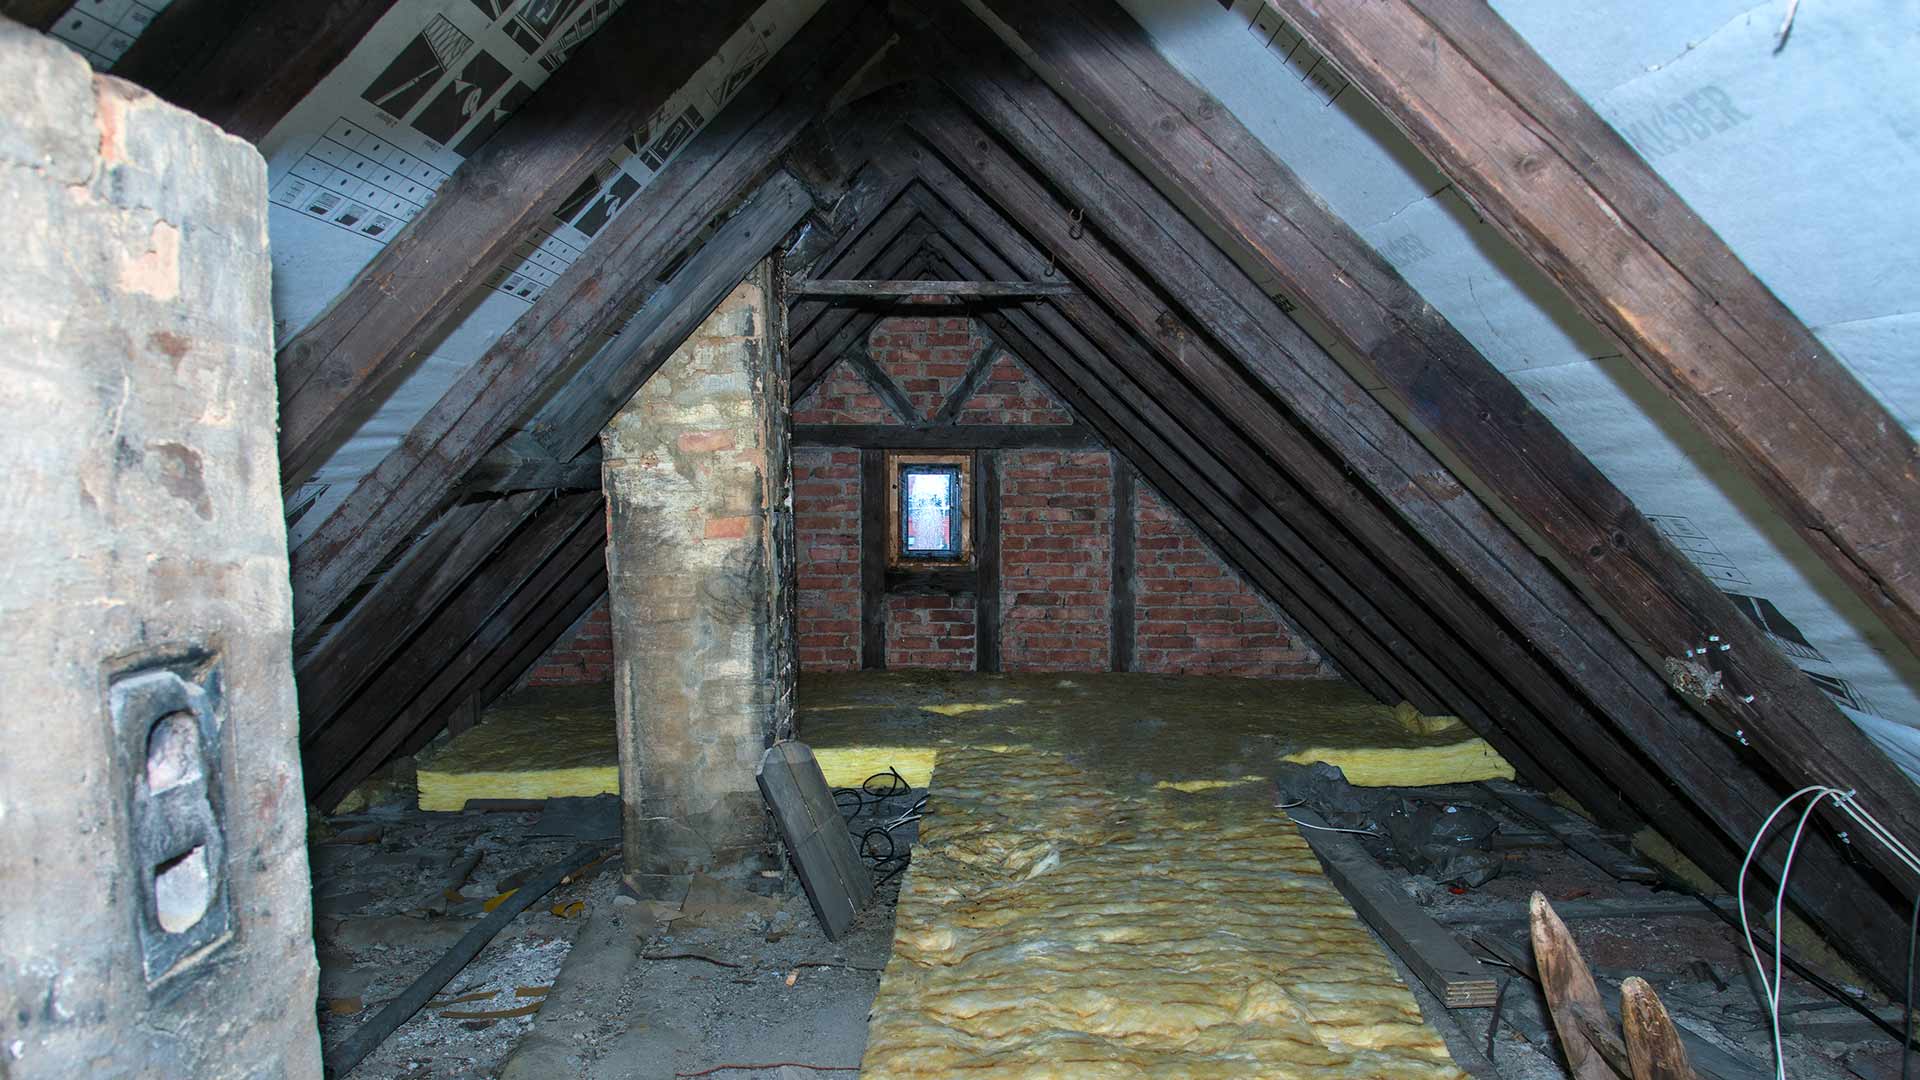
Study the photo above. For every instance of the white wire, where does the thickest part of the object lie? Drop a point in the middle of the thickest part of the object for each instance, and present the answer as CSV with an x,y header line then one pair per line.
x,y
1846,802
1329,828
1746,927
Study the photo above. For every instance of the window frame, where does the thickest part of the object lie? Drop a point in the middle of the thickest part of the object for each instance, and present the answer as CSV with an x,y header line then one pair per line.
x,y
898,462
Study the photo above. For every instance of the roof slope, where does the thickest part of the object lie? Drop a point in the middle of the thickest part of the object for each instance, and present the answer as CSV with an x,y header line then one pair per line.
x,y
1398,459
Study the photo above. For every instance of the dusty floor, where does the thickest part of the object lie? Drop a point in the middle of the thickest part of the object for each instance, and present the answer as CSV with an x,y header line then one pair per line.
x,y
651,996
739,979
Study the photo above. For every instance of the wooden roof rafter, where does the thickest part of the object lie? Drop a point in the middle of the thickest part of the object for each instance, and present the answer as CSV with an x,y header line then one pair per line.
x,y
1739,787
1189,146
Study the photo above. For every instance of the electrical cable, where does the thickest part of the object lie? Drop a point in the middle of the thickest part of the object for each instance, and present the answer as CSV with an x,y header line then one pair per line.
x,y
1847,804
1794,964
874,792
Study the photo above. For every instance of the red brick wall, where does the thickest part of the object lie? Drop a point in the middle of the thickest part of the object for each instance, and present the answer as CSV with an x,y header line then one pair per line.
x,y
584,654
1011,396
926,356
930,632
1193,615
826,508
842,397
1056,560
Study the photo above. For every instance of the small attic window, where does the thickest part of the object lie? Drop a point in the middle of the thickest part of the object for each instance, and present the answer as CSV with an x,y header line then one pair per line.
x,y
929,509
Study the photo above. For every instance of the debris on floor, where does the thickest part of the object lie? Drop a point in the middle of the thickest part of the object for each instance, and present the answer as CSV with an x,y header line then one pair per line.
x,y
621,988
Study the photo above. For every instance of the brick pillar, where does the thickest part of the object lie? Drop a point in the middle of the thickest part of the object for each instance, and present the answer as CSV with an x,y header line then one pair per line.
x,y
699,581
152,826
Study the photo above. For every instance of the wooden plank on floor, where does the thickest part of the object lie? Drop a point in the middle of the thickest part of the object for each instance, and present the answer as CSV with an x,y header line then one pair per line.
x,y
815,832
1426,947
1579,834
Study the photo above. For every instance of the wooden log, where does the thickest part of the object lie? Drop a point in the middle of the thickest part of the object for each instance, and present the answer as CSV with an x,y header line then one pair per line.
x,y
856,253
715,171
958,290
896,400
1648,907
977,373
1571,992
930,581
1121,586
818,347
1194,149
1654,1051
1540,163
1428,950
414,289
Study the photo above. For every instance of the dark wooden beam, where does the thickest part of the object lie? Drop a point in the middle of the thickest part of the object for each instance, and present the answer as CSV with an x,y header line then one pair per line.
x,y
401,302
895,399
528,640
427,671
873,558
853,290
986,555
720,166
1245,432
1192,147
571,416
516,466
815,352
932,581
954,437
1728,790
1125,572
244,65
969,385
1853,918
1427,948
1538,162
813,323
1335,609
406,596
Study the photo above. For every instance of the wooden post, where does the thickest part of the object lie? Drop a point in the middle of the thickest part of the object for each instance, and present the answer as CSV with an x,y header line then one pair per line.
x,y
1121,592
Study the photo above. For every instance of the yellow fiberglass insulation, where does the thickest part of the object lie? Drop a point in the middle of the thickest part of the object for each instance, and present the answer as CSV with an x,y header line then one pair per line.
x,y
1065,922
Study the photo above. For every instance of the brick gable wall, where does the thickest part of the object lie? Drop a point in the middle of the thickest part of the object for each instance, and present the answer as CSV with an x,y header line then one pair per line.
x,y
1192,613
